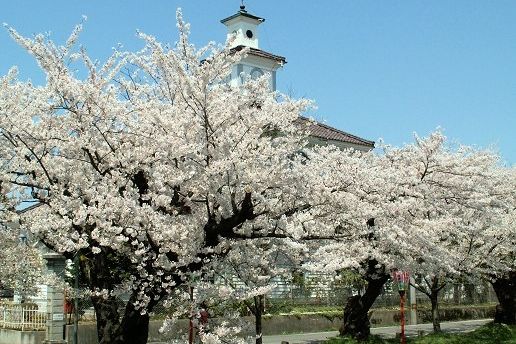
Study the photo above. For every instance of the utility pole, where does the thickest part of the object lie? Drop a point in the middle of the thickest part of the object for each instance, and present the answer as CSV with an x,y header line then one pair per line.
x,y
76,299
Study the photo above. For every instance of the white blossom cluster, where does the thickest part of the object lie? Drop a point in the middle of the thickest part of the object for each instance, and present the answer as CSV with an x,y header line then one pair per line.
x,y
151,168
438,210
21,267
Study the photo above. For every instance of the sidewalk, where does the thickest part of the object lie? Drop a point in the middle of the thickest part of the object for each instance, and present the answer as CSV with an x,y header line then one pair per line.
x,y
387,332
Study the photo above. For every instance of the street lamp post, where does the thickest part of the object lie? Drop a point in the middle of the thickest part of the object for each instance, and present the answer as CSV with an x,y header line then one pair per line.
x,y
403,281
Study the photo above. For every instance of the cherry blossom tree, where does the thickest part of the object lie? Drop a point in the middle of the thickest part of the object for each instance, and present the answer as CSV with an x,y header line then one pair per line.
x,y
451,195
424,207
150,166
497,249
504,283
252,269
355,194
21,264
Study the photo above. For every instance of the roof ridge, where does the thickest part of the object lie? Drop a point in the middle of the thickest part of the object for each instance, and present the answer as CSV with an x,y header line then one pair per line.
x,y
260,52
358,138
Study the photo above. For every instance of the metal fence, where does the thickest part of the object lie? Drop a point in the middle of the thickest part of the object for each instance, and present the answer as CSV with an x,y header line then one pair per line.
x,y
321,291
453,294
85,311
21,316
314,290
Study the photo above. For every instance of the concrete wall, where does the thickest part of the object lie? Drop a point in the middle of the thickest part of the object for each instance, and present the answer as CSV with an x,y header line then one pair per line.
x,y
288,323
88,332
21,337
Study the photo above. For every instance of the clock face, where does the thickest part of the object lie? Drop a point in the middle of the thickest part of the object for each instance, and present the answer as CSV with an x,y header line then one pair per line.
x,y
249,34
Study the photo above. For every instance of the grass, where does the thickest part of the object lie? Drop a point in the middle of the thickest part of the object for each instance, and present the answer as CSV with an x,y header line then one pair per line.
x,y
288,308
488,334
372,340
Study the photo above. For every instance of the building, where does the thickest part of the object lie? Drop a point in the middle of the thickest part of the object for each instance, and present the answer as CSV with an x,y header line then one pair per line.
x,y
245,27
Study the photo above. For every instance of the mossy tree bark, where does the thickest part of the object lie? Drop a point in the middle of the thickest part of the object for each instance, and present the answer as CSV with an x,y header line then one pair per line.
x,y
434,300
505,289
118,322
356,312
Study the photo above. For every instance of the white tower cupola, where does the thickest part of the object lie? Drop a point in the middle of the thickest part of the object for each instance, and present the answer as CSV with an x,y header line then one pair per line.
x,y
245,27
257,62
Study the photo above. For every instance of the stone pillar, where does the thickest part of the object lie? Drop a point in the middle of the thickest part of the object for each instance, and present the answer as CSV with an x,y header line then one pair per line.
x,y
55,301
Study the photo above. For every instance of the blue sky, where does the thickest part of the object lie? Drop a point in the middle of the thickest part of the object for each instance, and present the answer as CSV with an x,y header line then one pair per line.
x,y
375,68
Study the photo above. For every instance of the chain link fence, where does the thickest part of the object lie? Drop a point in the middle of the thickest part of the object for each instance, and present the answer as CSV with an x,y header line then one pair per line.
x,y
322,291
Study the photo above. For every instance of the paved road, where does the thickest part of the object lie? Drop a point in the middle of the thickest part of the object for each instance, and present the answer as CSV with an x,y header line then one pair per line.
x,y
387,332
411,330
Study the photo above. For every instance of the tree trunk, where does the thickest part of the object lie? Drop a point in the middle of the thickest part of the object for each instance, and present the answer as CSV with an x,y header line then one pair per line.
x,y
505,289
109,330
133,329
457,293
117,322
259,305
356,318
432,290
485,295
434,293
135,326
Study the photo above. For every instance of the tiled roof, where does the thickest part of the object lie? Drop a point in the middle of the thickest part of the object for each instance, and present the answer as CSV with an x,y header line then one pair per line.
x,y
261,53
326,132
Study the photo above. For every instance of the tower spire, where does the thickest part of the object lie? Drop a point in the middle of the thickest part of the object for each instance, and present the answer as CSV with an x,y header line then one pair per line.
x,y
242,6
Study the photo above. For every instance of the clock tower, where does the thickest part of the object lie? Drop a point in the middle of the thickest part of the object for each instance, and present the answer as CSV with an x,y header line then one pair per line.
x,y
244,26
